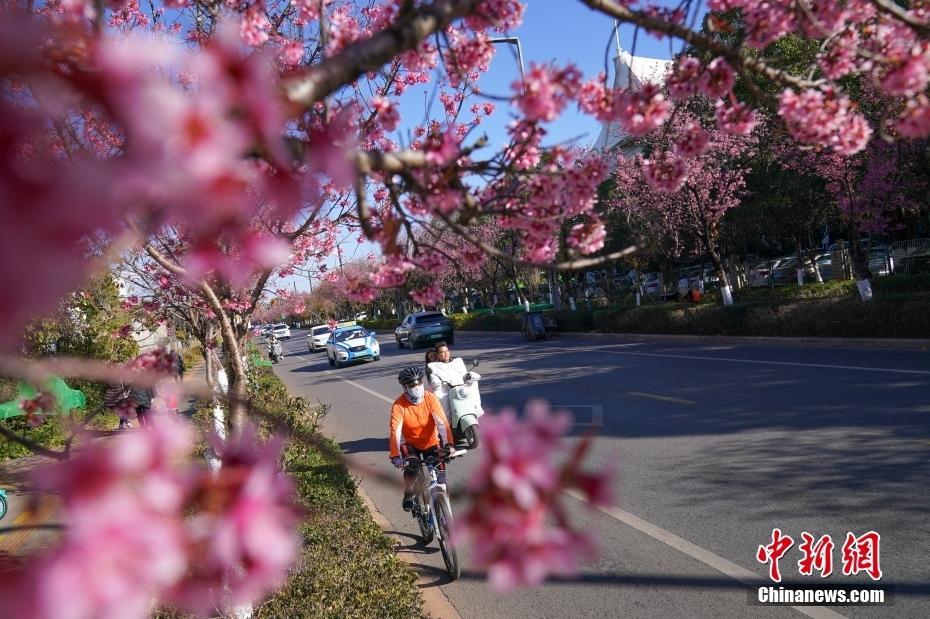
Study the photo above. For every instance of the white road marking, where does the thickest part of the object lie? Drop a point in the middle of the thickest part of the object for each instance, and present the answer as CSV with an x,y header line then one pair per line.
x,y
365,389
301,358
828,366
664,398
682,545
706,557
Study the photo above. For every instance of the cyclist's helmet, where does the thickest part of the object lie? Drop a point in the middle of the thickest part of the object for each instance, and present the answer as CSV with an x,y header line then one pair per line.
x,y
410,376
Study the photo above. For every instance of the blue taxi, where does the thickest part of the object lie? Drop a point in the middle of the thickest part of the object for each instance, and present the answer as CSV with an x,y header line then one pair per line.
x,y
352,343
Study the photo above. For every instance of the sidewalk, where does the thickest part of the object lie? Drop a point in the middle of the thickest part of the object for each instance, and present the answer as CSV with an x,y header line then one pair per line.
x,y
28,507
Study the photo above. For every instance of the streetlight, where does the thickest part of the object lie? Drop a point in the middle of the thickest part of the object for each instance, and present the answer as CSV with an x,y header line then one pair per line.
x,y
554,296
514,41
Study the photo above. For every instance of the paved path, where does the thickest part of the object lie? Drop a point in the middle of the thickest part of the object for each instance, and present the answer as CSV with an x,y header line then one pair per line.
x,y
29,508
716,446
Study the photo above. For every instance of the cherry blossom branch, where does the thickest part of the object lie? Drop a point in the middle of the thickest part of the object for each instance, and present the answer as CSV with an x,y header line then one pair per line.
x,y
897,11
570,265
735,57
32,446
356,59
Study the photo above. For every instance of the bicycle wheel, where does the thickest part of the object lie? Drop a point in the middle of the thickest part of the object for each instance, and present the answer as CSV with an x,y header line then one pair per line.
x,y
444,523
426,531
2,506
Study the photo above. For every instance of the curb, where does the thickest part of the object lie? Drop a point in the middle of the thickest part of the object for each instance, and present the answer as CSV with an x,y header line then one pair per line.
x,y
888,343
435,601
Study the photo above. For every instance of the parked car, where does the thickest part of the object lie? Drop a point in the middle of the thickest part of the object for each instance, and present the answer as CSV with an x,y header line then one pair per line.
x,y
652,283
281,331
423,328
762,274
316,339
348,344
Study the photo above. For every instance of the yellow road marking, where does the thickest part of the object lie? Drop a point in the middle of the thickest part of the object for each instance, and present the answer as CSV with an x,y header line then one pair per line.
x,y
10,543
664,398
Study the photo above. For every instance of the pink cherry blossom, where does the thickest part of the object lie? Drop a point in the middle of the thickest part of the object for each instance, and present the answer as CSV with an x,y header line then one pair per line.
x,y
734,117
665,171
642,110
546,91
386,112
360,288
717,79
914,121
255,26
588,237
909,77
692,141
392,273
825,118
684,78
518,480
245,534
429,296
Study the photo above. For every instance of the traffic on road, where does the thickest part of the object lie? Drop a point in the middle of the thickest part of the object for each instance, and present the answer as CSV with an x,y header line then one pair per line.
x,y
715,448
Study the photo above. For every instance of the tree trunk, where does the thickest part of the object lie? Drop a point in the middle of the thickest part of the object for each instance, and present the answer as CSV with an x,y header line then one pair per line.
x,y
799,260
811,257
860,261
726,293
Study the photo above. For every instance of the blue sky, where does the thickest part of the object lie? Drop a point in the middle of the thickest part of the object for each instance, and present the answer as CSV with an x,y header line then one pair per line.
x,y
552,31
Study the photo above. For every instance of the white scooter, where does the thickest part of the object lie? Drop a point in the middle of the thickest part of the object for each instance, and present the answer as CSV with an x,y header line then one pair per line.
x,y
457,389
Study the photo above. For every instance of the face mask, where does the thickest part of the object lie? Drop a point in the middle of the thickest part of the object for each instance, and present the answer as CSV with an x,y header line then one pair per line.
x,y
415,393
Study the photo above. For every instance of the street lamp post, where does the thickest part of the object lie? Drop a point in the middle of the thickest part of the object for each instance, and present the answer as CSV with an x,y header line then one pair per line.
x,y
554,295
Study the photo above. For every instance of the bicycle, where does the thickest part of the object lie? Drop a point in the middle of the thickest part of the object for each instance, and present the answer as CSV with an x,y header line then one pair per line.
x,y
3,504
431,507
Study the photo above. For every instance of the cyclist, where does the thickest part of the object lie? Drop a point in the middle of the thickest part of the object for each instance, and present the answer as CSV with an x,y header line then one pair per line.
x,y
417,425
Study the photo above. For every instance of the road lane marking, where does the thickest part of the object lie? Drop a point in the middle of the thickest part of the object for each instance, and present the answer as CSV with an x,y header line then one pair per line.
x,y
669,539
664,398
364,388
301,358
694,551
828,366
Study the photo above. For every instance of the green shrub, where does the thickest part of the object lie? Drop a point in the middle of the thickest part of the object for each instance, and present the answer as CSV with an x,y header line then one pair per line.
x,y
567,320
890,316
385,324
488,322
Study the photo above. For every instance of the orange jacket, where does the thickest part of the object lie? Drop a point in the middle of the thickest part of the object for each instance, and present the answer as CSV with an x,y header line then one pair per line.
x,y
418,424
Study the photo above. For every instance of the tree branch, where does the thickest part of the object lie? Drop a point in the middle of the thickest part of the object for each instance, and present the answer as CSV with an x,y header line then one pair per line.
x,y
734,56
31,445
355,60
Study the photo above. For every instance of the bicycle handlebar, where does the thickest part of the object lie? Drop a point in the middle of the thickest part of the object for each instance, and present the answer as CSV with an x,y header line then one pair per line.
x,y
443,457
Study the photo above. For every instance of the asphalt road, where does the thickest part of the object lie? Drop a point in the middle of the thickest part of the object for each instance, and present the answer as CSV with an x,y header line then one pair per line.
x,y
715,447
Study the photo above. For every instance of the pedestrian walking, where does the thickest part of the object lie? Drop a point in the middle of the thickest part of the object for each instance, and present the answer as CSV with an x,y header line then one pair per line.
x,y
143,399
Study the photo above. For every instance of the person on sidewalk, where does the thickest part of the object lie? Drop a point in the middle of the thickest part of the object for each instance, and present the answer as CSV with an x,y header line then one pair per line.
x,y
418,423
117,399
143,398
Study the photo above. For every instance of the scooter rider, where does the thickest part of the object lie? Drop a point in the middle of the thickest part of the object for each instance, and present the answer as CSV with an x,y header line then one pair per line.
x,y
418,423
274,347
447,371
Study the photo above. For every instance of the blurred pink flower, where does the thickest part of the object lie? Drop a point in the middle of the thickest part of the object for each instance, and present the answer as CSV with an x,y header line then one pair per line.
x,y
692,141
717,79
430,296
515,521
665,171
245,532
734,117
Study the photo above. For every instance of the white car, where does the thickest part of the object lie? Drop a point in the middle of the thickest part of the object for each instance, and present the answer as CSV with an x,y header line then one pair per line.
x,y
281,331
316,339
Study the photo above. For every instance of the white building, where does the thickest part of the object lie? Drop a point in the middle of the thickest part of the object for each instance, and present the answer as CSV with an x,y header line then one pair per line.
x,y
629,72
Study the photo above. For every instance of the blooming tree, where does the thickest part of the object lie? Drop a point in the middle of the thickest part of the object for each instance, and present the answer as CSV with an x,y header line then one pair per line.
x,y
712,181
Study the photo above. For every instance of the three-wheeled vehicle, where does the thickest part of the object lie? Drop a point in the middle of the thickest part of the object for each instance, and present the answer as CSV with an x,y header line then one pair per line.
x,y
536,326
